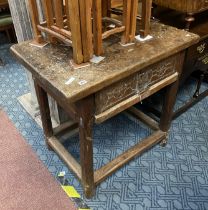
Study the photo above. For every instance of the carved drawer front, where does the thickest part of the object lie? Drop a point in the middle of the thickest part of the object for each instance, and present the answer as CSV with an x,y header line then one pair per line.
x,y
197,56
135,84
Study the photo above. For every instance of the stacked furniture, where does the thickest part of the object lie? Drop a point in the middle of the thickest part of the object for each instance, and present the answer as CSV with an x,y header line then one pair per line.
x,y
84,24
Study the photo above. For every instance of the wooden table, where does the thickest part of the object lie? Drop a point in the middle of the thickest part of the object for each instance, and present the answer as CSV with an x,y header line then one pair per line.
x,y
98,92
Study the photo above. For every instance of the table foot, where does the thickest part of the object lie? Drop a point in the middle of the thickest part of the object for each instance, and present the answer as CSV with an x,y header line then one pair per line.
x,y
164,142
189,19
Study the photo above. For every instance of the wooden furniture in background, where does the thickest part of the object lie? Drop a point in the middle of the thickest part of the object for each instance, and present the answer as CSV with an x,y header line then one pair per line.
x,y
144,15
127,26
189,7
122,80
196,62
3,4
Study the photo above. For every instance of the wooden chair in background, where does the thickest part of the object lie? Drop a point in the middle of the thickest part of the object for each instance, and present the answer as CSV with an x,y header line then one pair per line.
x,y
102,14
143,14
145,17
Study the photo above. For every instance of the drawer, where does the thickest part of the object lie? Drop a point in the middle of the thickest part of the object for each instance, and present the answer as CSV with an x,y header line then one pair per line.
x,y
135,84
196,59
197,56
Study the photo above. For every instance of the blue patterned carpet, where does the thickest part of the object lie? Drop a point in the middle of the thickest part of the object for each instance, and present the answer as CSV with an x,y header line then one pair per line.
x,y
174,177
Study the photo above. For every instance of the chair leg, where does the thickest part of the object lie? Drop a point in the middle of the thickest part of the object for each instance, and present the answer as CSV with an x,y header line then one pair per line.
x,y
106,7
134,10
126,21
97,27
35,20
196,94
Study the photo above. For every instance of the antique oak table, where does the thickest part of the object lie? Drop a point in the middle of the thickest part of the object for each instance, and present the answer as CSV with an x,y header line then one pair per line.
x,y
98,92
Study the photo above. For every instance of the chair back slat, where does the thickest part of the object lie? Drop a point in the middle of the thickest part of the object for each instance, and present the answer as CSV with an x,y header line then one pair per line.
x,y
134,12
126,20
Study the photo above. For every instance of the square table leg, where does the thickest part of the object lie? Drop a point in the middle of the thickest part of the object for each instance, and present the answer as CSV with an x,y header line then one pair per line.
x,y
44,111
86,121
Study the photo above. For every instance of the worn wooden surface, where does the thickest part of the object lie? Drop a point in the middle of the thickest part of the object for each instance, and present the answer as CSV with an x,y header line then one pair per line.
x,y
51,64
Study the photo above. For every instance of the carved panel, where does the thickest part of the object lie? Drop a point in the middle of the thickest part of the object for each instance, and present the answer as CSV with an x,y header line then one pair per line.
x,y
135,84
197,56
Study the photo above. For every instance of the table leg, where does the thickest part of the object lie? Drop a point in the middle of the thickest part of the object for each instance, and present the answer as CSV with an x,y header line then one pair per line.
x,y
199,83
167,109
86,121
189,19
44,111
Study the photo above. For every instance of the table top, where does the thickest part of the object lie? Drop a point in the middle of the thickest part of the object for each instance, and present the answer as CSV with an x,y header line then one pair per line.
x,y
51,64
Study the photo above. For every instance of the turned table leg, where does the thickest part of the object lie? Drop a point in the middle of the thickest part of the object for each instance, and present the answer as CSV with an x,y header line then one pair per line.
x,y
196,94
44,111
189,19
86,120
